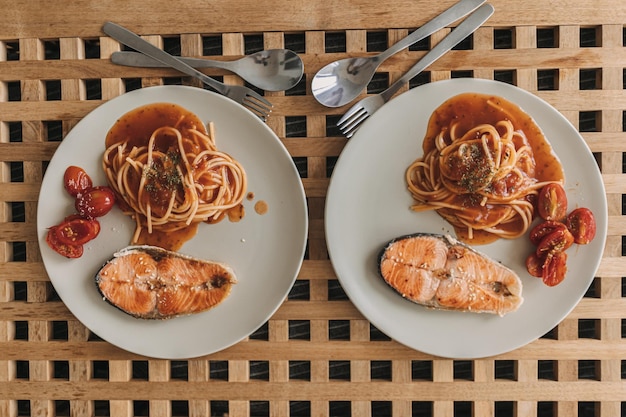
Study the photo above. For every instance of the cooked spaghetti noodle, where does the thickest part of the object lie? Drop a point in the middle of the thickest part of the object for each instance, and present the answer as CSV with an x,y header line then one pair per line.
x,y
174,177
479,175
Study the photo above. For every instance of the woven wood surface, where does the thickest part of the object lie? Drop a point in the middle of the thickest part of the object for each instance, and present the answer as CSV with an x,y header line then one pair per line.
x,y
317,356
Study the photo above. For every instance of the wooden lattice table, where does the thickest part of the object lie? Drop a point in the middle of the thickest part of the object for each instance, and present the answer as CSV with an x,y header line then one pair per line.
x,y
317,356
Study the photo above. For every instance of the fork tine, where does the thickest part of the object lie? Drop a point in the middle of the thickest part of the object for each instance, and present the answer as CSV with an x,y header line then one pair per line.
x,y
357,120
349,126
356,126
349,117
260,98
257,107
264,105
349,114
349,131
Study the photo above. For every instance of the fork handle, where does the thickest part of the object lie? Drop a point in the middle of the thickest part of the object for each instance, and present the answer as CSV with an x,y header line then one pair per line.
x,y
132,40
446,18
463,30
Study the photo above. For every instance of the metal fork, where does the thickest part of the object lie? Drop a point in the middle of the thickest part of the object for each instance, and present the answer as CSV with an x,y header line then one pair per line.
x,y
245,96
358,113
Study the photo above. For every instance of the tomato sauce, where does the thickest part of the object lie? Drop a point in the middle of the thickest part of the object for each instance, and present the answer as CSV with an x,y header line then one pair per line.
x,y
472,109
135,128
138,125
469,110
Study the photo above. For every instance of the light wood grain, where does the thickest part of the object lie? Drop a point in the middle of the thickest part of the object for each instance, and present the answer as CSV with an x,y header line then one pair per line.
x,y
30,19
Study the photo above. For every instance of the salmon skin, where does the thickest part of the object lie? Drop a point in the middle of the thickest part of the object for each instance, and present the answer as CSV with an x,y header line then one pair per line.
x,y
149,282
439,271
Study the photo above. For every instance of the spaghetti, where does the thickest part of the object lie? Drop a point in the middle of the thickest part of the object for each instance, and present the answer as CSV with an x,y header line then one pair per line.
x,y
480,173
171,176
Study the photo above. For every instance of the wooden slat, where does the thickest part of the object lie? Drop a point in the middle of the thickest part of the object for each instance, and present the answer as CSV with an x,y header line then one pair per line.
x,y
588,308
224,16
361,391
541,349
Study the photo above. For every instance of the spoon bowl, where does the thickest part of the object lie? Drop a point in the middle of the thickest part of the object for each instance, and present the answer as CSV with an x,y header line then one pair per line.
x,y
340,82
270,70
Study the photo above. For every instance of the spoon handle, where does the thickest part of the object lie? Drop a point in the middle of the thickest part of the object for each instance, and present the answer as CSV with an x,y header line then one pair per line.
x,y
446,18
465,28
136,59
133,40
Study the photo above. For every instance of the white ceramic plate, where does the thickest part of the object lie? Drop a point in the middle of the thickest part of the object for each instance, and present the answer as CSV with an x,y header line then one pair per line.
x,y
368,205
266,251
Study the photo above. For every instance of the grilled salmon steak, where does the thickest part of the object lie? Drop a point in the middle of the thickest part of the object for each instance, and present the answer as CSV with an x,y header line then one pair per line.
x,y
440,272
149,282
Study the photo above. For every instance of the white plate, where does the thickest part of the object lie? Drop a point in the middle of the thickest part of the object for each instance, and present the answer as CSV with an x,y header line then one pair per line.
x,y
266,251
368,205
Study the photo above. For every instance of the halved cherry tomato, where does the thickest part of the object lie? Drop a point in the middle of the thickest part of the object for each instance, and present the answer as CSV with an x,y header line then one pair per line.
x,y
557,241
582,224
95,202
76,231
76,180
534,265
554,268
95,224
544,228
69,251
552,202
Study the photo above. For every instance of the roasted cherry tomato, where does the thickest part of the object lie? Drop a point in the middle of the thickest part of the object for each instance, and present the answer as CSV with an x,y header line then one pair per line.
x,y
95,202
582,224
556,241
534,265
552,202
544,228
77,231
554,268
69,251
76,180
95,224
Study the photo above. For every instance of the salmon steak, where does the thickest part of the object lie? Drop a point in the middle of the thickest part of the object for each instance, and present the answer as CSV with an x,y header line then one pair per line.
x,y
149,282
440,272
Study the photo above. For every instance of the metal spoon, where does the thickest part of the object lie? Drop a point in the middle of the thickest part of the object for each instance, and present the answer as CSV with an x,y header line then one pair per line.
x,y
270,70
340,82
